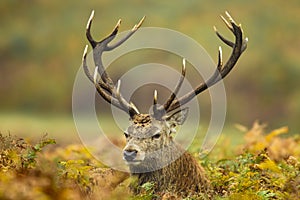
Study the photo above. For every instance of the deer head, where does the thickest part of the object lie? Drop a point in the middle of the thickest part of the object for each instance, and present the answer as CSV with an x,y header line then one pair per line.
x,y
149,136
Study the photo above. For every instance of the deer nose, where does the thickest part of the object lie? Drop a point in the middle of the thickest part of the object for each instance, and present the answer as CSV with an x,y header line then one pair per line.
x,y
129,155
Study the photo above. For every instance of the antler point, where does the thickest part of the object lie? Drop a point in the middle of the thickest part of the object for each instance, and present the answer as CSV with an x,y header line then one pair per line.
x,y
183,65
220,58
118,23
142,20
229,17
223,18
155,97
220,53
229,25
95,75
84,52
90,20
138,25
215,29
118,86
134,107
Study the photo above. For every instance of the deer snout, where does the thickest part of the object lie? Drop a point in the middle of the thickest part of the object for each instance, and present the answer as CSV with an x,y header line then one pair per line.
x,y
130,155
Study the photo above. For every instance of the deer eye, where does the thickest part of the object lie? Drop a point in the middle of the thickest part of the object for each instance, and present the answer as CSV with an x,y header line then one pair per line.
x,y
126,134
156,136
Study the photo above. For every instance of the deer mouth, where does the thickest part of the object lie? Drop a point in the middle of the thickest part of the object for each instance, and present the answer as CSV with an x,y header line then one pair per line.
x,y
133,162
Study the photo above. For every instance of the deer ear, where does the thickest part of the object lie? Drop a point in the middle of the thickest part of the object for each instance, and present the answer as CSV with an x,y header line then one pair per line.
x,y
177,118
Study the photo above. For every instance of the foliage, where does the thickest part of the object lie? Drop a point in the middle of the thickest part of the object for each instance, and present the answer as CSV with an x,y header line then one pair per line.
x,y
267,167
19,155
277,147
32,171
147,192
77,171
254,176
36,171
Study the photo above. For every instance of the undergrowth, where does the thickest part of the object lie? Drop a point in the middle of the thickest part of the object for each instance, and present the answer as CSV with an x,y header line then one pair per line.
x,y
265,166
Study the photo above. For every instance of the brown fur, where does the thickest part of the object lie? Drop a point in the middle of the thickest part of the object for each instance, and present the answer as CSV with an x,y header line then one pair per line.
x,y
184,176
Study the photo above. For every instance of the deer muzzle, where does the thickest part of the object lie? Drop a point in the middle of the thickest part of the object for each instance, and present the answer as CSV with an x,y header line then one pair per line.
x,y
133,155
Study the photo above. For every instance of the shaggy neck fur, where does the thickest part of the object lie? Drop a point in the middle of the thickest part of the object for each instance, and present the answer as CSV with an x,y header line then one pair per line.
x,y
184,176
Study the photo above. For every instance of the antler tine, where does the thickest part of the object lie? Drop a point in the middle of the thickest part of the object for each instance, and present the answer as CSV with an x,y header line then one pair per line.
x,y
85,68
138,25
128,108
95,75
228,42
221,71
106,40
111,36
169,101
88,30
155,97
232,26
129,34
88,74
119,102
217,75
245,42
134,107
106,96
118,95
220,59
229,25
155,111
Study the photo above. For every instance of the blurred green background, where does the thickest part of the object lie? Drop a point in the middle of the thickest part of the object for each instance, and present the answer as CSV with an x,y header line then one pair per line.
x,y
42,43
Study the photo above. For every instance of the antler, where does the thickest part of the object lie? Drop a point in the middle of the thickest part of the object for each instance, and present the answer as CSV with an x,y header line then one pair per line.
x,y
238,47
105,86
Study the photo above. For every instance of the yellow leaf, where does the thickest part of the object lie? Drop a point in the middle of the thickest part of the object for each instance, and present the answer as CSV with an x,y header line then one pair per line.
x,y
270,165
276,132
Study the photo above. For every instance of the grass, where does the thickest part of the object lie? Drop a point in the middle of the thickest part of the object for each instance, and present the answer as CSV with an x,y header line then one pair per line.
x,y
60,127
63,126
33,126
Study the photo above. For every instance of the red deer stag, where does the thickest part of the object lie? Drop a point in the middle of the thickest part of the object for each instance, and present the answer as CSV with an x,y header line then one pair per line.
x,y
150,152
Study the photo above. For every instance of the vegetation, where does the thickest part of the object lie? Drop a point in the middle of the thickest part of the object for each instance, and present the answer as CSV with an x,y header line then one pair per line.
x,y
44,170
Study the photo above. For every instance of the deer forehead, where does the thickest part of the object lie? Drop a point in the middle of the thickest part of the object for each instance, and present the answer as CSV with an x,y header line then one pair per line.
x,y
144,126
143,119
